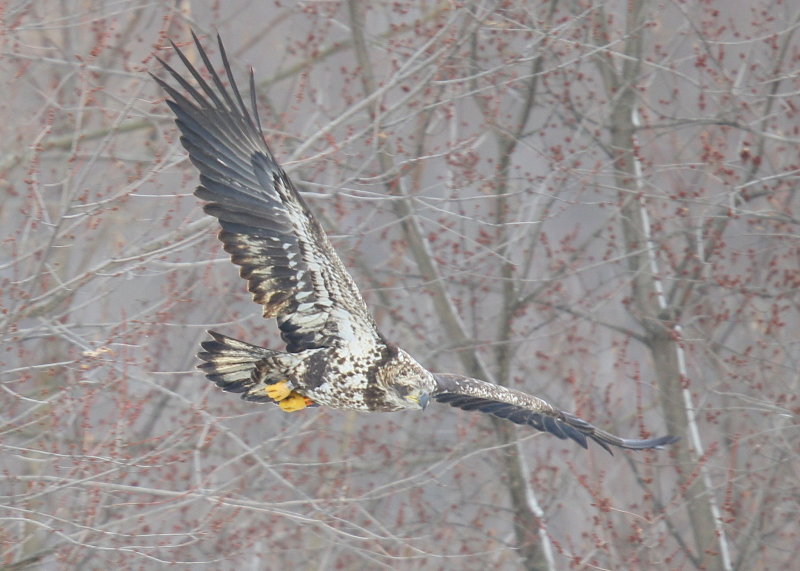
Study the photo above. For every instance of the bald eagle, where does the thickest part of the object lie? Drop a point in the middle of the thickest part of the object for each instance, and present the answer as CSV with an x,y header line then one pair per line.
x,y
334,354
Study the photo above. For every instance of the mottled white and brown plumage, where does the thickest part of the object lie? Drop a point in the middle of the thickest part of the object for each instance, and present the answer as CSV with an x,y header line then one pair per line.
x,y
334,355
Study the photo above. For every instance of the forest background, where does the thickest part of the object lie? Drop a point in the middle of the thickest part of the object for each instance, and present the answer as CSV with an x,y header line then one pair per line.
x,y
595,202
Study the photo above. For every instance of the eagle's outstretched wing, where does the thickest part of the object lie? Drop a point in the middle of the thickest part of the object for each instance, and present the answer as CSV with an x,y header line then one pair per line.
x,y
291,267
472,394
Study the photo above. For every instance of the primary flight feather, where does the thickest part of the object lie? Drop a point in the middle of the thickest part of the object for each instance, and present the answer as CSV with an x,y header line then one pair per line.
x,y
334,355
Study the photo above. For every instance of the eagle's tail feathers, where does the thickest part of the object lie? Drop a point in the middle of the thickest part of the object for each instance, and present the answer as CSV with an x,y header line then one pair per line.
x,y
230,363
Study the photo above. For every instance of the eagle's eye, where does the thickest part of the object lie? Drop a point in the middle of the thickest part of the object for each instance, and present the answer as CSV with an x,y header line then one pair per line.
x,y
413,395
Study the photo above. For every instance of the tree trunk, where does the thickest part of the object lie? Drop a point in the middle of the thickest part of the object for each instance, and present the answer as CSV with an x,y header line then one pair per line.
x,y
649,303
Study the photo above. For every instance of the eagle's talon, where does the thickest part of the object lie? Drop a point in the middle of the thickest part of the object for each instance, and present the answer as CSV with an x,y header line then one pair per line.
x,y
278,391
294,402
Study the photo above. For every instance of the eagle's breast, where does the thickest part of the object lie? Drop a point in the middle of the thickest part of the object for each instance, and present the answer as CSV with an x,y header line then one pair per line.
x,y
345,376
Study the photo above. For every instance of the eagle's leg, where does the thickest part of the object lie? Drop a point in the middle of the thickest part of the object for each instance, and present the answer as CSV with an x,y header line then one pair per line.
x,y
278,391
295,401
288,399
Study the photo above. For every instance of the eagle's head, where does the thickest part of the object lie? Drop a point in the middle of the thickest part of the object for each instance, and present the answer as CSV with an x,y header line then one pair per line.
x,y
406,383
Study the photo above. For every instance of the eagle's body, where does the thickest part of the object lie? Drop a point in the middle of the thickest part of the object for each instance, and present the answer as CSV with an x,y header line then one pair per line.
x,y
342,376
334,355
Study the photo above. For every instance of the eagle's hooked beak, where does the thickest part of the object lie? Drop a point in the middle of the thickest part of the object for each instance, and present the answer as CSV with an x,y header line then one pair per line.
x,y
420,399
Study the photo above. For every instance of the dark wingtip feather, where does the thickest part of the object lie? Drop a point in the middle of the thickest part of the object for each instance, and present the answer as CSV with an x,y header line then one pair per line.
x,y
651,443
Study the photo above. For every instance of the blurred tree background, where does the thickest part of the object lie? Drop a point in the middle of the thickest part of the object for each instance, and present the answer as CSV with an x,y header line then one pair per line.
x,y
590,201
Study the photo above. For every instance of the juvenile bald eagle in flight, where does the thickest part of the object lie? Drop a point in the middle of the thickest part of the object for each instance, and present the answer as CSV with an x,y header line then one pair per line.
x,y
334,355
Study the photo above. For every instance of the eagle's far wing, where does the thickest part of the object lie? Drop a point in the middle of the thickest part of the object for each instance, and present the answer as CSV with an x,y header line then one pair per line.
x,y
518,407
284,254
